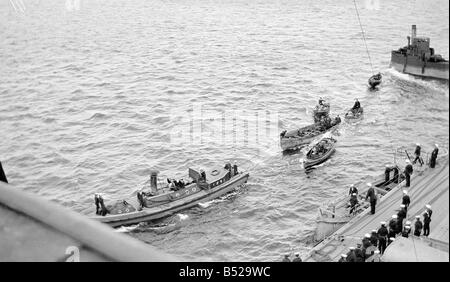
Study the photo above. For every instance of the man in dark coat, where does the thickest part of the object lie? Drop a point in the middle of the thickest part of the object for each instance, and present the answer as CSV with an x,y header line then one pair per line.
x,y
104,211
434,155
97,204
401,215
408,172
140,197
406,231
352,190
374,238
343,258
382,237
393,226
351,257
235,168
418,226
426,224
406,200
417,154
429,210
359,253
353,202
372,198
356,106
387,173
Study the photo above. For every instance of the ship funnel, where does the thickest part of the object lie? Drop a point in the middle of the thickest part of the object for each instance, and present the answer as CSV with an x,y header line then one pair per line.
x,y
413,31
154,180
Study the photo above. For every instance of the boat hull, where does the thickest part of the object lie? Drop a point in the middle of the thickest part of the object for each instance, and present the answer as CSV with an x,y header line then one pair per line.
x,y
165,210
293,143
414,66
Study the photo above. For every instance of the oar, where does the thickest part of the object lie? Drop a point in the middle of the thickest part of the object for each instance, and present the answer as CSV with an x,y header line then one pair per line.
x,y
407,155
2,174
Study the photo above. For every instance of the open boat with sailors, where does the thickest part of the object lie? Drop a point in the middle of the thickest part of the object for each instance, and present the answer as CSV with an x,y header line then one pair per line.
x,y
354,114
159,202
320,152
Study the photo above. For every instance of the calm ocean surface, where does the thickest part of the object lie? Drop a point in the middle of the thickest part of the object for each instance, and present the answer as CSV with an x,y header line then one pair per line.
x,y
92,92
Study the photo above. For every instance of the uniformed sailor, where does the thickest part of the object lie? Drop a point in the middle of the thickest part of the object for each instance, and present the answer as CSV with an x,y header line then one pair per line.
x,y
406,200
382,237
235,168
387,173
203,174
434,155
391,240
374,238
429,210
426,224
366,241
297,258
372,198
408,172
406,231
376,256
353,203
418,226
357,105
359,253
417,154
352,190
343,258
401,215
286,258
140,198
351,257
393,226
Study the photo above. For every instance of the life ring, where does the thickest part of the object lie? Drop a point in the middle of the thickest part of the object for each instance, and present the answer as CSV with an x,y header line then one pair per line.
x,y
214,172
127,210
119,211
194,189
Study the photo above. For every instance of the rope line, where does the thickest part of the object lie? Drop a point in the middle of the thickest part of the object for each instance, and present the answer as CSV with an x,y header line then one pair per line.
x,y
364,37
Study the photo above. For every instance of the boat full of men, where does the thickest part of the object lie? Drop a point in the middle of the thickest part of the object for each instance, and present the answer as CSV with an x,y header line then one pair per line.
x,y
375,242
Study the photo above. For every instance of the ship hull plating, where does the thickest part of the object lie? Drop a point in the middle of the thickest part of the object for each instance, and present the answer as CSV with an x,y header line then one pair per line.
x,y
413,65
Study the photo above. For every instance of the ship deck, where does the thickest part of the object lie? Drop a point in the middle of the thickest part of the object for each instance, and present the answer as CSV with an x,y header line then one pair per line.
x,y
431,186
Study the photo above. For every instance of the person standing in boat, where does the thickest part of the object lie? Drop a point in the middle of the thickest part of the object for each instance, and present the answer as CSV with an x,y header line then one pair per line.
x,y
434,155
382,237
353,202
371,195
406,200
140,198
97,204
104,211
408,172
353,190
418,226
417,154
321,100
387,173
235,168
356,106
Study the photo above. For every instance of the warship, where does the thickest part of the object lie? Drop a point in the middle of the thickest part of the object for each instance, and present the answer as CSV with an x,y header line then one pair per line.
x,y
417,58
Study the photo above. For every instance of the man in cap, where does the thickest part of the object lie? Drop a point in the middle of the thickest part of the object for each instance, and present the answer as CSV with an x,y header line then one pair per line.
x,y
406,200
417,154
351,257
297,258
97,204
286,259
366,241
382,237
387,173
359,254
434,155
353,202
353,190
372,198
343,258
406,231
426,224
418,226
400,216
140,197
374,238
393,226
408,172
429,210
235,168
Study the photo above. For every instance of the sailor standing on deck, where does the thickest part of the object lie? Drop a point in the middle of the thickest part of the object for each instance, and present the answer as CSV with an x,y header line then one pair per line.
x,y
408,172
417,154
429,210
374,238
371,195
400,216
426,224
382,237
351,257
418,226
434,155
393,226
343,258
406,200
359,253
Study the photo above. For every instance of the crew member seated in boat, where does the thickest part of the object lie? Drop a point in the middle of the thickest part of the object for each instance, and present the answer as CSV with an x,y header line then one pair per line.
x,y
97,204
356,106
408,172
353,202
286,259
321,100
235,168
353,190
434,155
283,133
203,174
417,154
336,120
